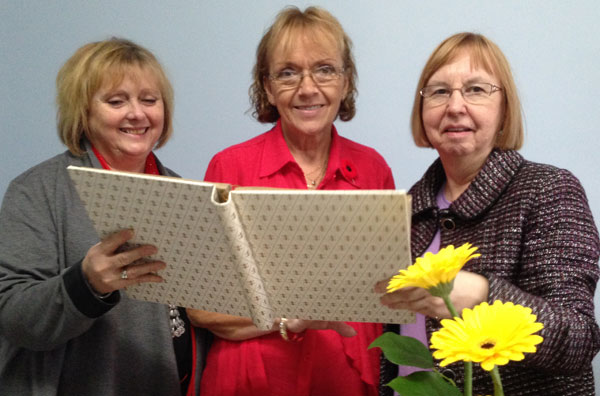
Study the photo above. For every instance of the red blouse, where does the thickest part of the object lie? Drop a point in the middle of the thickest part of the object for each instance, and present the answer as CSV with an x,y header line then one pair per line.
x,y
322,362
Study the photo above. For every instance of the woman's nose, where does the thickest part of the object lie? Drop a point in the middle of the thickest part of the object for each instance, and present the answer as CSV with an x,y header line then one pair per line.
x,y
456,102
307,83
135,110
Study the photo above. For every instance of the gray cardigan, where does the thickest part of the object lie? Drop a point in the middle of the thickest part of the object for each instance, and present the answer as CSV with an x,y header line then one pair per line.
x,y
56,337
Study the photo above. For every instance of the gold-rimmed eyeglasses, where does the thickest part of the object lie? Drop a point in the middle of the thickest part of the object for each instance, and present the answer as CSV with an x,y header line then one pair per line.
x,y
475,93
321,75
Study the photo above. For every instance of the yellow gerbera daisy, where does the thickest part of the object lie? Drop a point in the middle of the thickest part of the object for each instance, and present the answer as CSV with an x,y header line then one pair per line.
x,y
489,335
432,270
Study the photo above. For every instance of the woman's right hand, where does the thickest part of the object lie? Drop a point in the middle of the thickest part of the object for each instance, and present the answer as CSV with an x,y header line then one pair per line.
x,y
236,328
103,265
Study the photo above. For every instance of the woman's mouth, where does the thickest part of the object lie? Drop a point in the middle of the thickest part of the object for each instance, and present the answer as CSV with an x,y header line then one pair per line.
x,y
131,131
308,108
458,129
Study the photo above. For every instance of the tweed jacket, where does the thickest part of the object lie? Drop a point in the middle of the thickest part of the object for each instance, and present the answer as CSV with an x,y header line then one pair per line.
x,y
539,248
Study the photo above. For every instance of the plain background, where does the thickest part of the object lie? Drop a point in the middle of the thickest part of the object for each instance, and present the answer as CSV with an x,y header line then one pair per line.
x,y
207,48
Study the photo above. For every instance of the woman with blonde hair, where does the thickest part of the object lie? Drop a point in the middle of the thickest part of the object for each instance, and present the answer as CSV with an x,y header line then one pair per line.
x,y
65,326
304,78
531,222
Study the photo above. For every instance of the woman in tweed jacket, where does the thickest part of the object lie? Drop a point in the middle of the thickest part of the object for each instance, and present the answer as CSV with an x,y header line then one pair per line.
x,y
531,222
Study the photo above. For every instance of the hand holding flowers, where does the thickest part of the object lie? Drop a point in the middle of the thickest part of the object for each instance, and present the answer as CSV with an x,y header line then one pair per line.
x,y
490,335
469,290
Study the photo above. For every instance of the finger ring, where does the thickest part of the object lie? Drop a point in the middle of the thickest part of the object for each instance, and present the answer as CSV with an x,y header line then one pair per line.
x,y
124,274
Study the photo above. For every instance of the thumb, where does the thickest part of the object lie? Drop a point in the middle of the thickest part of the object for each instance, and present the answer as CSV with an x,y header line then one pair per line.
x,y
381,286
343,329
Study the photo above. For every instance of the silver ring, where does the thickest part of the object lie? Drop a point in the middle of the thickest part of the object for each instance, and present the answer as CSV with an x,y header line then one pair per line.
x,y
124,274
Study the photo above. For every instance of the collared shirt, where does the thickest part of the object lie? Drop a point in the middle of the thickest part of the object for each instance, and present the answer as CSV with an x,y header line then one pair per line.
x,y
266,161
323,362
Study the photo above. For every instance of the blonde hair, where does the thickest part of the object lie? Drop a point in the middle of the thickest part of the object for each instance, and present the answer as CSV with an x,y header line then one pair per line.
x,y
485,54
84,73
318,24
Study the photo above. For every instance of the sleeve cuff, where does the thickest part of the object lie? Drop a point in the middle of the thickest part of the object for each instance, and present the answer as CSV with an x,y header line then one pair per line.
x,y
83,297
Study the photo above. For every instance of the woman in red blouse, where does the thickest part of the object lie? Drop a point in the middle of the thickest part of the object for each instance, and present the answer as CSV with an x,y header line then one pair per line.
x,y
304,78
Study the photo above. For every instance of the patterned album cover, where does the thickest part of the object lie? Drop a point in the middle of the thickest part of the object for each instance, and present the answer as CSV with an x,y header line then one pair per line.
x,y
259,253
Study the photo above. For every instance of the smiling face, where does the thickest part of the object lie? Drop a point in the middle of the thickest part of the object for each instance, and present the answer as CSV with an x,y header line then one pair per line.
x,y
458,129
307,109
126,120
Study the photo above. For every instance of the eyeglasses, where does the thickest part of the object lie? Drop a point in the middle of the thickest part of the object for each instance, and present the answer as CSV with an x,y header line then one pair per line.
x,y
321,75
476,93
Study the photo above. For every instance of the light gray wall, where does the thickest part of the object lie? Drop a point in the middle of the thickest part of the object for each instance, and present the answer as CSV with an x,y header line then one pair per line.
x,y
207,48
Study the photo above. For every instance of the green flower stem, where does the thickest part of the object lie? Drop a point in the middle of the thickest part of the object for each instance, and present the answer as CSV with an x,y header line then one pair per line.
x,y
453,312
498,391
468,365
469,379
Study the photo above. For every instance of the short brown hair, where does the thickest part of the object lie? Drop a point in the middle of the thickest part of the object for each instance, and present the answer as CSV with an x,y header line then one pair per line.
x,y
84,73
484,53
288,23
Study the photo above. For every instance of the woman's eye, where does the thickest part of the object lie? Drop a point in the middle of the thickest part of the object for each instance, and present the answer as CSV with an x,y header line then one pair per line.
x,y
475,89
286,73
114,102
149,101
440,91
325,70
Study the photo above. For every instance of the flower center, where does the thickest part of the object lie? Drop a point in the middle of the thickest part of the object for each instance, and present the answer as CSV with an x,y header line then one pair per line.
x,y
488,345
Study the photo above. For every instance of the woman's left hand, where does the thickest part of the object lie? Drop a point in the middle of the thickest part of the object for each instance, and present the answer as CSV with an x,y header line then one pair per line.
x,y
469,290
